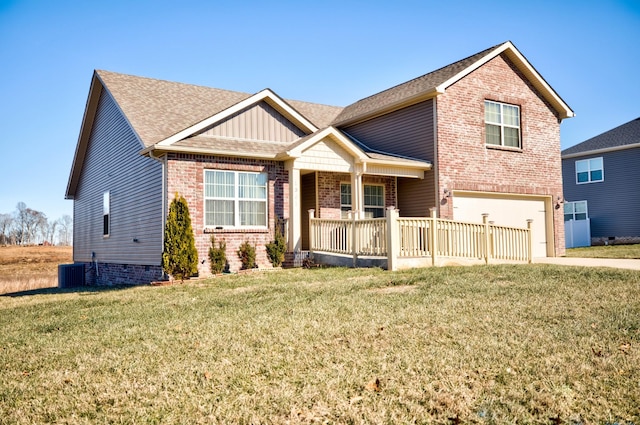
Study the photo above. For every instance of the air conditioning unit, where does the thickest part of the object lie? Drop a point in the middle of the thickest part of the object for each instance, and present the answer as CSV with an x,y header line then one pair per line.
x,y
70,275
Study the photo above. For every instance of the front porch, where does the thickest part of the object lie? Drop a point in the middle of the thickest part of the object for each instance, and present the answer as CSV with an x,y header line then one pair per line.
x,y
395,242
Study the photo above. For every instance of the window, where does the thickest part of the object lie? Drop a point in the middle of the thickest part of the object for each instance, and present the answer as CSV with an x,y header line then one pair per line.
x,y
589,170
235,199
502,124
106,214
373,200
575,210
345,200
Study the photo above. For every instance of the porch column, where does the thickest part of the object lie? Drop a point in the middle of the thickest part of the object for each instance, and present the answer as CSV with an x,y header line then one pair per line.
x,y
357,191
295,239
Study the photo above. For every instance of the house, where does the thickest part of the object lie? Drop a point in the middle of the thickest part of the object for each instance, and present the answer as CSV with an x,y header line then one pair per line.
x,y
480,135
602,182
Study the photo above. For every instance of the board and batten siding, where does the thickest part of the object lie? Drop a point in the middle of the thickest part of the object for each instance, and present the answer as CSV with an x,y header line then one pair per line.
x,y
113,163
613,205
258,122
408,132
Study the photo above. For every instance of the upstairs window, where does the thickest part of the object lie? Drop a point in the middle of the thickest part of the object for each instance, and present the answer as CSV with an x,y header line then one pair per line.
x,y
575,210
589,170
235,199
106,213
502,124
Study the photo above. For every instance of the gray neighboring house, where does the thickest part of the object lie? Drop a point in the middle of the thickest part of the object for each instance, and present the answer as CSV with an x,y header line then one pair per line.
x,y
604,171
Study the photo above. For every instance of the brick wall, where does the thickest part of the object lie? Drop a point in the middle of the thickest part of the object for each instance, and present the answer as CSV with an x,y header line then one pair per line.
x,y
185,175
108,274
465,163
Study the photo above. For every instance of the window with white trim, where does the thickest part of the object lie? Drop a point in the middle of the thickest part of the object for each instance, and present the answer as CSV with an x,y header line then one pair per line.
x,y
235,199
502,124
106,213
575,210
373,200
589,170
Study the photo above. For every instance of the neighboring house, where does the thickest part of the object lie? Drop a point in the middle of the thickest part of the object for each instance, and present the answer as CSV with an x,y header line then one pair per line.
x,y
602,183
481,135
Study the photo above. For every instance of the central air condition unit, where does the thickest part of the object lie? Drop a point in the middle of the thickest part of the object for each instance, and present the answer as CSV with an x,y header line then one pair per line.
x,y
70,275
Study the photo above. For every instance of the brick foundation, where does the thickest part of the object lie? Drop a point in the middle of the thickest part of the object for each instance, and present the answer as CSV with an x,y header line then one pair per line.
x,y
109,274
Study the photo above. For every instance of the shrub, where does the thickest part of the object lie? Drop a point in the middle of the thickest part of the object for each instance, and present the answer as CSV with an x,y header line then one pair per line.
x,y
277,248
247,254
179,256
218,256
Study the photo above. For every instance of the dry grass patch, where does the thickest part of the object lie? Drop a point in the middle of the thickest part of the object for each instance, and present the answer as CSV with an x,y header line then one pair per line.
x,y
25,268
606,251
496,344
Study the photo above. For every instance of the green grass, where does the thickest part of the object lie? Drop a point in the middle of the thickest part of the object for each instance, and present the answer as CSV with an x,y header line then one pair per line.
x,y
481,344
606,251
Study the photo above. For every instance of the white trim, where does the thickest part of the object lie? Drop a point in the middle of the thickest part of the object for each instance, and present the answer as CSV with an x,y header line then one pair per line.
x,y
266,95
601,151
205,151
587,160
236,200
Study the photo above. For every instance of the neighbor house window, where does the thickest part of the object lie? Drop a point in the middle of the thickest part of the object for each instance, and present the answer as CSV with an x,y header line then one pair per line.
x,y
106,213
589,170
373,200
502,124
575,210
235,199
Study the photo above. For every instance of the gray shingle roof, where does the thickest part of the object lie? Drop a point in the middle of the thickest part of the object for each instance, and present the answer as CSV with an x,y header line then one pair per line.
x,y
625,134
404,91
158,109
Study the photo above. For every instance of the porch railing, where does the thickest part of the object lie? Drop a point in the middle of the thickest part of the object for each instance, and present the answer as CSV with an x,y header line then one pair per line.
x,y
394,237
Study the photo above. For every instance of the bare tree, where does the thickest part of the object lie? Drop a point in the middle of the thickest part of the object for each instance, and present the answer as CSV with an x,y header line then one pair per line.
x,y
65,233
6,222
21,220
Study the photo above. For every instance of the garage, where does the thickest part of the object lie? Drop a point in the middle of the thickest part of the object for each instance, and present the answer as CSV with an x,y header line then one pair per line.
x,y
509,210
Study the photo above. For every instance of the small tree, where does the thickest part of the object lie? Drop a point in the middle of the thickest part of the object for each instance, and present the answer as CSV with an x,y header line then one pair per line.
x,y
179,257
217,256
247,254
277,248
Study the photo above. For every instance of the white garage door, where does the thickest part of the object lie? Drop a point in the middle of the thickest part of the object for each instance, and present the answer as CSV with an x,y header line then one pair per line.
x,y
512,212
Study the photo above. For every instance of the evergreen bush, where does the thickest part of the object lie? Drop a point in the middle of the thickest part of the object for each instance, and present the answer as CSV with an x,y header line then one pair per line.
x,y
247,254
277,248
179,256
218,256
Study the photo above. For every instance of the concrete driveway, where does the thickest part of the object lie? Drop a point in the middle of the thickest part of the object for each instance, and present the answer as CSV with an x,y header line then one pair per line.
x,y
591,262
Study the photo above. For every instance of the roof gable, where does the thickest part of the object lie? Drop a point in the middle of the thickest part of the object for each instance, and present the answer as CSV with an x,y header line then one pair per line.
x,y
436,82
625,136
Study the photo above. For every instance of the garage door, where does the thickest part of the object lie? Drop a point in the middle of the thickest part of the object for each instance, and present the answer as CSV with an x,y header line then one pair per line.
x,y
505,211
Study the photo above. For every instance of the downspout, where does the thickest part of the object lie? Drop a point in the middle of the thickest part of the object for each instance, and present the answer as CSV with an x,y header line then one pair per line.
x,y
163,162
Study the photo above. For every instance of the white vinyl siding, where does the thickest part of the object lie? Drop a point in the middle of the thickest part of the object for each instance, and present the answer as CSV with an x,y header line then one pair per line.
x,y
502,124
589,170
235,199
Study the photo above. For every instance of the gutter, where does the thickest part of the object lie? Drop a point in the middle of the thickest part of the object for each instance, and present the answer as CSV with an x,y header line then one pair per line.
x,y
599,151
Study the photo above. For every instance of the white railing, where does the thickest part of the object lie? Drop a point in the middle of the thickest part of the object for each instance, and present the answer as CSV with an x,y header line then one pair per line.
x,y
394,237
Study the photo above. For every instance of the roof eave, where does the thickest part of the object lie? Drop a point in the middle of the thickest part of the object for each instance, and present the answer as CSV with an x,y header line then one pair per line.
x,y
156,150
600,151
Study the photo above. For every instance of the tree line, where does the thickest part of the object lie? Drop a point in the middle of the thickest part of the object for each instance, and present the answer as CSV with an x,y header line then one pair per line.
x,y
26,226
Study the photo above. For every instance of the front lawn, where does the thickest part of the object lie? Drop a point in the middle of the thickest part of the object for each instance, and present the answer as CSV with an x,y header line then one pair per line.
x,y
606,251
481,344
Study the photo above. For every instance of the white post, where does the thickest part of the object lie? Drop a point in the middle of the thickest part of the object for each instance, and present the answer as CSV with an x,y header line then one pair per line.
x,y
295,212
530,242
312,230
393,239
485,221
433,235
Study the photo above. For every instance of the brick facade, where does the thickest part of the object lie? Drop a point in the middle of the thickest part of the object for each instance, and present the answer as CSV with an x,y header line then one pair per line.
x,y
466,163
185,176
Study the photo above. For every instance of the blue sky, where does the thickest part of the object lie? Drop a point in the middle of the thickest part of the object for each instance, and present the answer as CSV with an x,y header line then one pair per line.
x,y
332,52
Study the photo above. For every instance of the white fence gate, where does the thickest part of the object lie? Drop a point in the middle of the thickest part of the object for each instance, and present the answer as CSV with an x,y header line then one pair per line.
x,y
577,233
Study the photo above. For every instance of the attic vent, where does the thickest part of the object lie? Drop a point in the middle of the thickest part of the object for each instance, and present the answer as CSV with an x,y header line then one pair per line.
x,y
70,275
